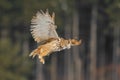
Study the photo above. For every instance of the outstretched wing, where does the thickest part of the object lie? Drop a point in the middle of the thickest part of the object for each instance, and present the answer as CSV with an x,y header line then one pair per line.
x,y
43,26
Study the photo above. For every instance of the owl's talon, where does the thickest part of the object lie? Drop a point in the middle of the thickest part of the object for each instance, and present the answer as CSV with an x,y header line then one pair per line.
x,y
42,61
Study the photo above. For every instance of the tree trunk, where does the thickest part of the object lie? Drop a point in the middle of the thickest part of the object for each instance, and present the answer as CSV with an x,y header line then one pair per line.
x,y
116,52
39,71
68,67
93,43
75,50
54,68
25,48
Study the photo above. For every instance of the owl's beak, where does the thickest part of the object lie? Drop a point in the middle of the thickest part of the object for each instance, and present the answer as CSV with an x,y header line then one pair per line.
x,y
79,42
75,42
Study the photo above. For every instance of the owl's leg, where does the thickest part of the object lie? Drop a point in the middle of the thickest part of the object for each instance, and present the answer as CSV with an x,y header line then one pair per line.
x,y
43,51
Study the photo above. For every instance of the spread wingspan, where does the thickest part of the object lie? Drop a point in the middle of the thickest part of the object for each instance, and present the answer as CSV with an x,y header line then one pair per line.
x,y
43,26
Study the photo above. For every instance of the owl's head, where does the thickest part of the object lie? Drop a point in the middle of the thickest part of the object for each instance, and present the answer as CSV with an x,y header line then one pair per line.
x,y
75,42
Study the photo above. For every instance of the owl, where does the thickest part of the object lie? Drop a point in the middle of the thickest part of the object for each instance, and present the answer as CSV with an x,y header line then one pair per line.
x,y
43,30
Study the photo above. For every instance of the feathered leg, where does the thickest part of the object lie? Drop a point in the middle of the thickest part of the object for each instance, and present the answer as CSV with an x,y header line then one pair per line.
x,y
41,51
38,52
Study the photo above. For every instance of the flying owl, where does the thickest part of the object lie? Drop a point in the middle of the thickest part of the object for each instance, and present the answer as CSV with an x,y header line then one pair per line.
x,y
43,30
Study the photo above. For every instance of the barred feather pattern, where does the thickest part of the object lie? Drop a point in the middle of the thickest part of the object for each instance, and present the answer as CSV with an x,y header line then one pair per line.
x,y
53,46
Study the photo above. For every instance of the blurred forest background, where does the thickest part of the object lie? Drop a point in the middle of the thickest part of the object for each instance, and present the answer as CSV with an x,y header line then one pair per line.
x,y
96,22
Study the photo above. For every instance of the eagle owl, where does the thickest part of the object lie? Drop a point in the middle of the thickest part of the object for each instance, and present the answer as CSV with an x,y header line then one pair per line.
x,y
43,30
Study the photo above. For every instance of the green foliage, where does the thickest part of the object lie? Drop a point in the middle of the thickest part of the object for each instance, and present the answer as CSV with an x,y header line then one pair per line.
x,y
4,4
113,10
13,65
17,12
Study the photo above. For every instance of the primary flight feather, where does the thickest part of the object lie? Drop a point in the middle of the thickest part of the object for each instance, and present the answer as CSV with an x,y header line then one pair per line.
x,y
43,29
43,26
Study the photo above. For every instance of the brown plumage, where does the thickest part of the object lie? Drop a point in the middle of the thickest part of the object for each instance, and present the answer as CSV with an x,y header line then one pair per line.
x,y
43,30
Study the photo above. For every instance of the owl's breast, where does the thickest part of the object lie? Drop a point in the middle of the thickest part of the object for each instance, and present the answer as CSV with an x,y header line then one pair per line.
x,y
53,45
58,45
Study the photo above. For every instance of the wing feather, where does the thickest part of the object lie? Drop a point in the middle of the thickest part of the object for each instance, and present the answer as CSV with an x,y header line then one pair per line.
x,y
43,27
